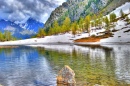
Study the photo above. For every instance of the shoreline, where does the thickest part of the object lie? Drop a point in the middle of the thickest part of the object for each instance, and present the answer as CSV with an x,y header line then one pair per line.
x,y
102,43
8,46
14,45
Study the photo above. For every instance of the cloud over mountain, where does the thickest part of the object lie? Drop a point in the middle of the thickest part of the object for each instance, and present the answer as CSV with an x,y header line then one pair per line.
x,y
19,10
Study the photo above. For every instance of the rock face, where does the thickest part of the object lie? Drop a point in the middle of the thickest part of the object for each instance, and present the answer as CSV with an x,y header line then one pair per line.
x,y
66,76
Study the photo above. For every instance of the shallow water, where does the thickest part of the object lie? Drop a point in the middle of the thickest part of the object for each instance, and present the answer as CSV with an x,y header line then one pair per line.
x,y
107,65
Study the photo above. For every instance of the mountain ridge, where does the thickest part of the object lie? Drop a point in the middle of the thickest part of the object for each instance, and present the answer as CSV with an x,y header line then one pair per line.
x,y
21,30
74,9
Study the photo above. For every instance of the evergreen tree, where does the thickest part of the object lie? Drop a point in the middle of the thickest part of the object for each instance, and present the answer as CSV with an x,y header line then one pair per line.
x,y
106,20
100,20
94,19
81,21
122,13
127,19
7,35
41,33
74,28
112,17
92,24
66,24
87,23
1,37
56,27
96,22
50,32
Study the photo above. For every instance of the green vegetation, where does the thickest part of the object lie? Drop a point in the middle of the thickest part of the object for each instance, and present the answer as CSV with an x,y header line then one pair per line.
x,y
84,24
6,36
122,14
74,28
41,33
112,17
106,20
87,23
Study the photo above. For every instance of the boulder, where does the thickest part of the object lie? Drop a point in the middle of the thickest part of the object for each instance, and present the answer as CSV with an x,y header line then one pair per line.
x,y
66,76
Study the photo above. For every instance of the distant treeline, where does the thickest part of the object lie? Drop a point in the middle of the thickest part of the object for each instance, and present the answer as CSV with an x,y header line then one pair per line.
x,y
6,36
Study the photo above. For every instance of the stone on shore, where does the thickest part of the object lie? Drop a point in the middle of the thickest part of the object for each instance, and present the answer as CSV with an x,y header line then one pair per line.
x,y
66,76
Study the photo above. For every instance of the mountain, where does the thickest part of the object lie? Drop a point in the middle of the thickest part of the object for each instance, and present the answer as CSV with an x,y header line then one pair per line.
x,y
74,9
32,24
21,30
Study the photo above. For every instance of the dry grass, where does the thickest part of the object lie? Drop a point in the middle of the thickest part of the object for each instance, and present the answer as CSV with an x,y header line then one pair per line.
x,y
95,38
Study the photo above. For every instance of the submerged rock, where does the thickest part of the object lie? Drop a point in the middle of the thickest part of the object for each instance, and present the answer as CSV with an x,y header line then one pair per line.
x,y
66,76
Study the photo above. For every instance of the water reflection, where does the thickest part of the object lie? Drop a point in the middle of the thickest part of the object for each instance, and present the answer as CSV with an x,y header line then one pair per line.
x,y
107,65
24,67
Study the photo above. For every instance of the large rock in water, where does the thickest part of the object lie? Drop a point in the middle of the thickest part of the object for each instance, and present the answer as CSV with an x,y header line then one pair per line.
x,y
66,76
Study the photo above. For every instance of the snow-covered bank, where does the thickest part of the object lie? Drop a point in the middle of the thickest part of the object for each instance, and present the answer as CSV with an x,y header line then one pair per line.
x,y
62,38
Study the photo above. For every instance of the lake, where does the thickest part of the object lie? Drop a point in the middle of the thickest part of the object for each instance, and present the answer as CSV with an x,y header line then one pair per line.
x,y
107,65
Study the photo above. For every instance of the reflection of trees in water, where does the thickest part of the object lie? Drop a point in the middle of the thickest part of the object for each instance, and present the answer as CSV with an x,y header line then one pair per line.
x,y
1,50
125,62
74,52
41,50
88,67
8,51
127,58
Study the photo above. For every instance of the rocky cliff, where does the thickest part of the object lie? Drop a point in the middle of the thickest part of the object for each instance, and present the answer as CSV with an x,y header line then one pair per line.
x,y
74,9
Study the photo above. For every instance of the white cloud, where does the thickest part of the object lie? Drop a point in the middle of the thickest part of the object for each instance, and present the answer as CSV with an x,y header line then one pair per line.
x,y
27,32
19,10
11,29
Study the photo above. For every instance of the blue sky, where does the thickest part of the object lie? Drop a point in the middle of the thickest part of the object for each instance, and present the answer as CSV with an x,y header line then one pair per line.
x,y
21,10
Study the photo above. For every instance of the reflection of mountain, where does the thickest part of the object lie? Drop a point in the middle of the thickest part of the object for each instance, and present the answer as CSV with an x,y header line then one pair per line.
x,y
24,30
23,67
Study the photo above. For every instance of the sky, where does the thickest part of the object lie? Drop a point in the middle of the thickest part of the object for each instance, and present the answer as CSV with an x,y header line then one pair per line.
x,y
21,10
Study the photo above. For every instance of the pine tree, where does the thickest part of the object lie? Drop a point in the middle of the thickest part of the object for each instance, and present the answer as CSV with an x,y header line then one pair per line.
x,y
41,33
94,19
74,28
100,15
66,24
106,20
7,36
92,24
122,13
1,37
56,27
81,21
127,19
50,32
112,17
87,23
96,22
